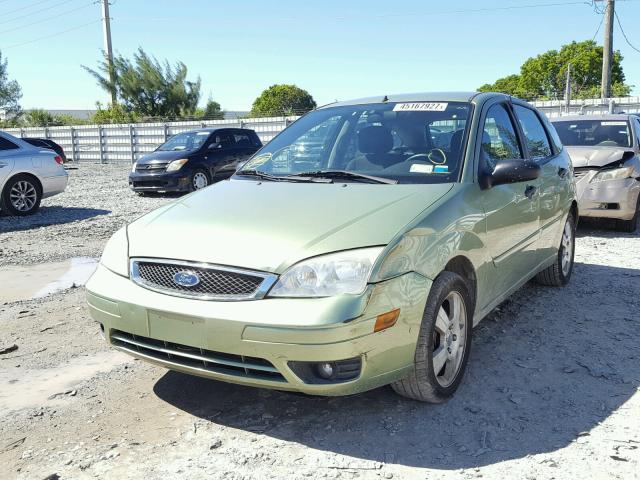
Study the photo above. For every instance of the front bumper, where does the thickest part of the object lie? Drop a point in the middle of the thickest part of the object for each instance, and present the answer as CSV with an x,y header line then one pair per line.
x,y
249,335
608,199
160,182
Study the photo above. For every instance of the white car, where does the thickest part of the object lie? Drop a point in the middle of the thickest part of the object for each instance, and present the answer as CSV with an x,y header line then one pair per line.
x,y
27,175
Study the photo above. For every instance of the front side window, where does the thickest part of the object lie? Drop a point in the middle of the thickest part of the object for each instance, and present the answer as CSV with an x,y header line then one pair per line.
x,y
187,141
499,139
390,140
7,145
534,133
594,133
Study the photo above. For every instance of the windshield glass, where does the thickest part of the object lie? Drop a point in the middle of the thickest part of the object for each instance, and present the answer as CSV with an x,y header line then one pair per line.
x,y
185,141
594,133
421,142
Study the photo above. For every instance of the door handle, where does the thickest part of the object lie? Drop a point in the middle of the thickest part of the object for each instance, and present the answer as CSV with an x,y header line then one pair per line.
x,y
530,191
562,172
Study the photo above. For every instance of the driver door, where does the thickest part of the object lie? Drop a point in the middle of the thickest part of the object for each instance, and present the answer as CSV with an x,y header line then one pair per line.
x,y
512,210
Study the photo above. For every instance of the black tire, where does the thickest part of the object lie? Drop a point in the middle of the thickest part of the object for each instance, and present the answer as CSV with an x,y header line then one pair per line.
x,y
630,226
555,275
199,173
423,384
29,204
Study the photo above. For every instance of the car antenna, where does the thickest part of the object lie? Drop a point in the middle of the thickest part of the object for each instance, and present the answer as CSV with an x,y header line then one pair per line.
x,y
385,99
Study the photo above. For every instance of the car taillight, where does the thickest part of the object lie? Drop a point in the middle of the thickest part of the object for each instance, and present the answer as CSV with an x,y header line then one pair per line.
x,y
58,159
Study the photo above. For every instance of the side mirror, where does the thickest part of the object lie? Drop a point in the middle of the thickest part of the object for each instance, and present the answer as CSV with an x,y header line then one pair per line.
x,y
511,171
215,146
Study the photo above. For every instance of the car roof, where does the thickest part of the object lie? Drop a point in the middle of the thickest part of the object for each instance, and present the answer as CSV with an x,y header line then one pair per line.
x,y
417,97
215,129
599,116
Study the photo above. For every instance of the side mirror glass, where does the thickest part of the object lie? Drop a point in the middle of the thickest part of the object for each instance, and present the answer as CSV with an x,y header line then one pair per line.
x,y
215,146
511,171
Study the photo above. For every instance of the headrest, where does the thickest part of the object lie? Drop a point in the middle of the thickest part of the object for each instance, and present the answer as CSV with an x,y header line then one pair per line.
x,y
375,139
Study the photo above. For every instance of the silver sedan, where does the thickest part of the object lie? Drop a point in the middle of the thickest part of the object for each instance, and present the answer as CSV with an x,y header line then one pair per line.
x,y
605,153
27,175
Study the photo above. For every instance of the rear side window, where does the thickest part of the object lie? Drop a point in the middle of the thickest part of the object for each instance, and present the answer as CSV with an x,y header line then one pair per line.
x,y
499,139
242,140
7,145
534,133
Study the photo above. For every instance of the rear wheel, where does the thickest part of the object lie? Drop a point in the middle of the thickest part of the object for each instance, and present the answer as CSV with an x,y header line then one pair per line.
x,y
558,274
443,344
631,225
21,196
199,179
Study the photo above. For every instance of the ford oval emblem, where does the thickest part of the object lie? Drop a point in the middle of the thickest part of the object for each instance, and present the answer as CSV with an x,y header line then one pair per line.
x,y
186,278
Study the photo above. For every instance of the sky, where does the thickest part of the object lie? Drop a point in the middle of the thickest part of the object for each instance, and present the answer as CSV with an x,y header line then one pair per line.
x,y
334,49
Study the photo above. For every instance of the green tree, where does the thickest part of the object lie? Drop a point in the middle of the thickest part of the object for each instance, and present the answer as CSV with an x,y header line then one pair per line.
x,y
10,92
544,76
283,100
113,114
211,111
149,88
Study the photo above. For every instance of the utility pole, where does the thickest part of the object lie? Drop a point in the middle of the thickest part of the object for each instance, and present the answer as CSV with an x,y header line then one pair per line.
x,y
106,29
567,91
607,57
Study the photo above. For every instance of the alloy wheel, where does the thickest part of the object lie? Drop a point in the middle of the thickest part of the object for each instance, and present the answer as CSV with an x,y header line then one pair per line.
x,y
449,339
566,249
199,181
23,196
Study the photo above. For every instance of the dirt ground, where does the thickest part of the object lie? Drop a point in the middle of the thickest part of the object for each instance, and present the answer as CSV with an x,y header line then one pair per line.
x,y
551,391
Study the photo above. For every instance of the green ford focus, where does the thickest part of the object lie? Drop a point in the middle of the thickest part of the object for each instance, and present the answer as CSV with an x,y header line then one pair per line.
x,y
358,248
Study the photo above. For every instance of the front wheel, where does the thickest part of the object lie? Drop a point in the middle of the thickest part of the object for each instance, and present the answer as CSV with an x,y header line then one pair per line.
x,y
558,274
444,342
199,180
21,196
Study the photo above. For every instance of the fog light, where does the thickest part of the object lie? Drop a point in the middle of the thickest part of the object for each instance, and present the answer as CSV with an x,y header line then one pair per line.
x,y
325,370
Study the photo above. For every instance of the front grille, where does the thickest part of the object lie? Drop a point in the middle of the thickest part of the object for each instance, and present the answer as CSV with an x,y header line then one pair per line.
x,y
214,282
197,358
150,167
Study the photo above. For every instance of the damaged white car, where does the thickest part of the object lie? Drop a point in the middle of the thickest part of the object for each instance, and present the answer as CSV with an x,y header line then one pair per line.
x,y
605,152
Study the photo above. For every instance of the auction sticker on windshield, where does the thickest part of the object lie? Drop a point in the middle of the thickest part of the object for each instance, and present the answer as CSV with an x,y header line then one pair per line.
x,y
421,107
613,124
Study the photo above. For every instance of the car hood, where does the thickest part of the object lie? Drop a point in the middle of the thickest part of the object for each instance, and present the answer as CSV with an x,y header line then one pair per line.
x,y
163,157
269,226
595,156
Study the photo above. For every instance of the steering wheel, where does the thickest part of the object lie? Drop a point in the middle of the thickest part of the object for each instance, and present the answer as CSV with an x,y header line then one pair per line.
x,y
437,156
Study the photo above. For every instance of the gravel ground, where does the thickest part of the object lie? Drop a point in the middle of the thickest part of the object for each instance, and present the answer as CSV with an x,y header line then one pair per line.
x,y
552,389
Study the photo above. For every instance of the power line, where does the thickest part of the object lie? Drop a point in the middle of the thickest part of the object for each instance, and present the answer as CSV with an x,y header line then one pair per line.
x,y
624,34
35,12
46,19
52,35
25,7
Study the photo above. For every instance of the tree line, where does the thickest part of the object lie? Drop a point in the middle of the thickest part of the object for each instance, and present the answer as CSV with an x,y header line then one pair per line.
x,y
148,89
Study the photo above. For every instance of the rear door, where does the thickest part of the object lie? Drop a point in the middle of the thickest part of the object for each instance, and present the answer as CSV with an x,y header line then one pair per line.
x,y
8,151
512,210
555,179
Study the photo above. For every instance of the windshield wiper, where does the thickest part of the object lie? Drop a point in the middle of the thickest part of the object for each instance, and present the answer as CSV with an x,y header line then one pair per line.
x,y
337,174
269,177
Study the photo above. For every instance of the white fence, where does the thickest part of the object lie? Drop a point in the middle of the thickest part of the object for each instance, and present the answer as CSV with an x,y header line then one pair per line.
x,y
557,108
126,143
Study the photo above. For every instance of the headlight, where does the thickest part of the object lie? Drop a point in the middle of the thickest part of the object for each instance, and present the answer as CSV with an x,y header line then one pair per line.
x,y
613,174
116,253
328,275
133,167
176,165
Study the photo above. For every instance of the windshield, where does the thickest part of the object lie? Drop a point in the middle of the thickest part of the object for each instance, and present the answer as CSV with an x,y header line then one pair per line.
x,y
421,142
594,133
185,141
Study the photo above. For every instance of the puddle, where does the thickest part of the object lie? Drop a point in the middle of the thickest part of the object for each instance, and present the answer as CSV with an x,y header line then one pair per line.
x,y
36,281
20,388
